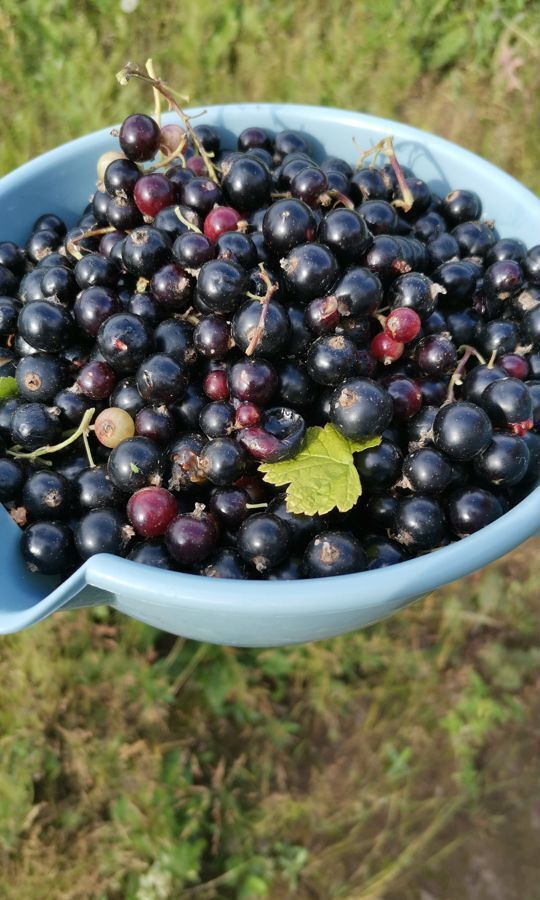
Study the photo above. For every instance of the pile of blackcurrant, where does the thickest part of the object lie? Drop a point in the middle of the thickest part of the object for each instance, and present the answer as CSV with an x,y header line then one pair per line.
x,y
209,306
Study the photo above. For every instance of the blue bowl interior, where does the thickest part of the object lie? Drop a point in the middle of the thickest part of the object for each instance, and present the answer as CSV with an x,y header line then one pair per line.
x,y
274,613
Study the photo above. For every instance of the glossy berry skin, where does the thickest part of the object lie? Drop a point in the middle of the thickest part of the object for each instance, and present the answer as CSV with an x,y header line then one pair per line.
x,y
478,379
229,505
272,337
281,435
238,247
161,379
33,426
301,527
503,279
414,291
385,349
458,279
427,471
461,206
360,408
41,244
462,431
152,193
122,214
124,341
7,408
46,326
40,377
505,462
330,359
223,461
287,224
96,380
253,137
72,407
531,265
224,564
221,286
156,423
403,324
382,552
254,380
217,419
139,137
58,283
12,257
333,553
358,292
514,365
296,388
345,232
322,314
419,428
263,541
175,338
48,548
9,312
12,477
212,337
310,270
172,287
95,270
121,176
420,524
219,220
46,495
530,327
215,385
151,510
151,553
247,184
508,404
471,509
192,250
94,306
93,489
126,396
134,464
145,250
379,467
101,531
191,538
406,396
436,355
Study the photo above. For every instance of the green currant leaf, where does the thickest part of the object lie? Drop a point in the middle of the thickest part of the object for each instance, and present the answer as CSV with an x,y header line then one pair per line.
x,y
8,387
322,476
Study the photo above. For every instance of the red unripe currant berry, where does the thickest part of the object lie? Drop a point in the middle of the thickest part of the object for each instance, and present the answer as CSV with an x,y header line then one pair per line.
x,y
514,365
385,349
219,220
151,510
403,324
247,415
152,193
215,385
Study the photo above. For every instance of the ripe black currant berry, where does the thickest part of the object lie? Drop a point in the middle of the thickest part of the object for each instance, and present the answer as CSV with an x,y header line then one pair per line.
x,y
224,564
58,283
124,341
12,477
40,377
221,286
462,431
95,270
296,388
102,531
247,184
286,224
34,426
345,232
191,250
48,548
191,538
223,461
310,270
508,404
333,553
427,471
268,340
331,358
461,206
361,408
45,326
420,524
47,495
263,541
471,509
139,137
145,250
161,379
134,464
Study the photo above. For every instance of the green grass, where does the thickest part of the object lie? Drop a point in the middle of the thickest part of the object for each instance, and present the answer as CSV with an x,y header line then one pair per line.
x,y
397,763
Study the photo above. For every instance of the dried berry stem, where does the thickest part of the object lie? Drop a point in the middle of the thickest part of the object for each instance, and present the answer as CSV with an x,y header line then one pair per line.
x,y
270,291
468,353
386,146
131,70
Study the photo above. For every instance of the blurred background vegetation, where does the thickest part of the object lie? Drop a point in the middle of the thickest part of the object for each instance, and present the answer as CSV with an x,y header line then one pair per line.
x,y
397,763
